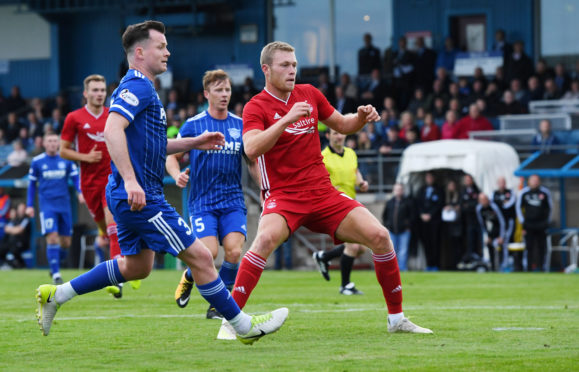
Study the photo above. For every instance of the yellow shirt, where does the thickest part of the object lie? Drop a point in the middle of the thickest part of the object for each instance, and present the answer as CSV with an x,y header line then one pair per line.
x,y
342,169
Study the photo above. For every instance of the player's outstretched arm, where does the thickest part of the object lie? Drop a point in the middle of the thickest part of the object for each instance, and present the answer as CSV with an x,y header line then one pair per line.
x,y
116,141
204,141
68,152
257,142
351,123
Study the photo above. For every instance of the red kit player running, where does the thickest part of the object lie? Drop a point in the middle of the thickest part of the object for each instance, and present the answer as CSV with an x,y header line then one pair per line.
x,y
280,131
84,129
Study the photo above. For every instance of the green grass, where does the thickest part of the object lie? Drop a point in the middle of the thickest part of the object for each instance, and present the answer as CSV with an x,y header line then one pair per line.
x,y
146,331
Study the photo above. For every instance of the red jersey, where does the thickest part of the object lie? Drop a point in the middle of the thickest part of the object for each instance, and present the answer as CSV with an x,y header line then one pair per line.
x,y
86,130
469,124
295,162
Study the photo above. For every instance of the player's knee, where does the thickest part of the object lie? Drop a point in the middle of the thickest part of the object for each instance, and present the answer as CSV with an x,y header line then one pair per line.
x,y
380,240
233,255
264,244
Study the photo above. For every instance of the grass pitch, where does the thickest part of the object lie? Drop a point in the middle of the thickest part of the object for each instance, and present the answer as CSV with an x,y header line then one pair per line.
x,y
482,322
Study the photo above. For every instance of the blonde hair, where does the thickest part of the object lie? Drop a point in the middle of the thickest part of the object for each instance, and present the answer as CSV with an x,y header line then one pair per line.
x,y
212,76
267,52
93,77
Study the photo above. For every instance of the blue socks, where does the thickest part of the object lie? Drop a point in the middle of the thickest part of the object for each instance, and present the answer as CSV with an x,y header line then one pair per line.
x,y
219,297
53,257
102,275
227,273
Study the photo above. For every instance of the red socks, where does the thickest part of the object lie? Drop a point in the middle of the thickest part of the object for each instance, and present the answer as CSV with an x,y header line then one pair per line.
x,y
248,275
388,274
114,248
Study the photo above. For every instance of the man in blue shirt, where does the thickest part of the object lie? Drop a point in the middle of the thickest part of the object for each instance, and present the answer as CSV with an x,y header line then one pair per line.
x,y
136,137
216,204
51,173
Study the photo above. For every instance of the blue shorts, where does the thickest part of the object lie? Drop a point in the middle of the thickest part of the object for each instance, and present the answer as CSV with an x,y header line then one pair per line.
x,y
53,220
220,223
157,226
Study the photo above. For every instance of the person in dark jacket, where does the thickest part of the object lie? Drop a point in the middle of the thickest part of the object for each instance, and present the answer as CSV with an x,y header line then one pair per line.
x,y
430,201
368,57
452,221
469,197
505,199
534,206
397,217
492,224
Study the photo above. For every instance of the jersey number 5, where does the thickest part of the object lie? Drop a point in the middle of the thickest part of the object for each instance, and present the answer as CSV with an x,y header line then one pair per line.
x,y
199,225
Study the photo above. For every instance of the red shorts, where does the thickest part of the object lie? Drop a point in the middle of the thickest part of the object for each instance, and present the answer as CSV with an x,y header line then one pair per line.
x,y
95,201
321,211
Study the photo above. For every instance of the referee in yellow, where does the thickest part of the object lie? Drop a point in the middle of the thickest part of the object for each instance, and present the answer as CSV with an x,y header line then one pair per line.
x,y
342,164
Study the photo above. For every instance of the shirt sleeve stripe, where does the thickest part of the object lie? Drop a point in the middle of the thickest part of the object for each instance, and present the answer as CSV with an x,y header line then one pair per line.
x,y
123,110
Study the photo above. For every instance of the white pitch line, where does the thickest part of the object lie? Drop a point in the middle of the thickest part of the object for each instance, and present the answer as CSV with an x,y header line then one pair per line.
x,y
305,308
502,329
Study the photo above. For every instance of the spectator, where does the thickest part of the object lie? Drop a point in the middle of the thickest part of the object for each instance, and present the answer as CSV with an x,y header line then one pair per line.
x,y
34,124
446,56
483,108
37,147
248,88
237,109
403,72
172,100
56,121
573,93
449,128
201,103
480,76
192,110
439,109
562,79
15,102
429,131
454,105
375,90
397,216
406,123
364,143
505,199
373,135
473,122
417,101
551,90
158,88
412,136
173,129
4,211
469,200
368,57
534,206
12,127
545,139
420,114
520,65
350,90
500,80
24,138
478,92
543,71
535,89
17,237
424,65
500,45
392,141
519,93
390,107
18,156
492,224
452,221
442,75
464,88
454,93
344,105
39,109
509,106
493,95
327,88
437,92
429,202
3,141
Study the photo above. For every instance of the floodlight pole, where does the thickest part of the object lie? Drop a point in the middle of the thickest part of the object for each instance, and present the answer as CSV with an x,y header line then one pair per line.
x,y
332,6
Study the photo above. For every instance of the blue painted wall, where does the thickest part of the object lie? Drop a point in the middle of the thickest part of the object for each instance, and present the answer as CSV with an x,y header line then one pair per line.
x,y
514,16
31,75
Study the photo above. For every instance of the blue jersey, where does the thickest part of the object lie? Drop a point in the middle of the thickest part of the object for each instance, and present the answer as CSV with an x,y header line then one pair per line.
x,y
51,173
137,100
215,174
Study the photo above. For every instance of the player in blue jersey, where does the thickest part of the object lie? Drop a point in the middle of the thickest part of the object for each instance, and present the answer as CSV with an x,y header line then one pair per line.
x,y
216,204
136,137
50,174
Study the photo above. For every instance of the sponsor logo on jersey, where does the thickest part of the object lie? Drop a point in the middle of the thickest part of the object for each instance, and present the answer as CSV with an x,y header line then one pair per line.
x,y
129,97
54,174
86,126
276,116
97,137
303,126
234,132
272,204
61,165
